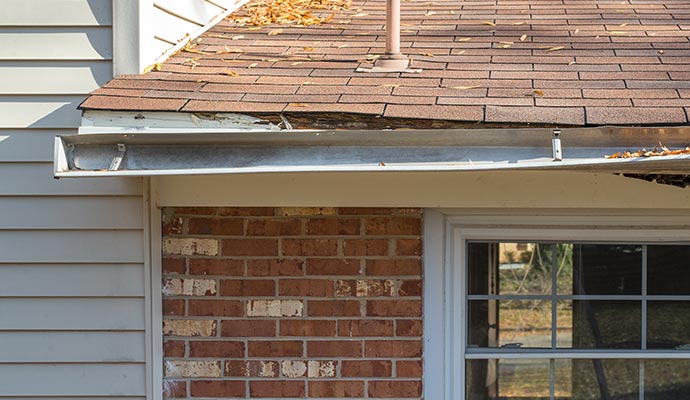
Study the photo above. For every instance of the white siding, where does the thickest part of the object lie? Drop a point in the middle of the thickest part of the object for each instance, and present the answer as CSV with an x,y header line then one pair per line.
x,y
72,274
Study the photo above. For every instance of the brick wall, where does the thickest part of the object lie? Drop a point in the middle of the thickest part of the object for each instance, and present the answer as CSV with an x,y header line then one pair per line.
x,y
292,302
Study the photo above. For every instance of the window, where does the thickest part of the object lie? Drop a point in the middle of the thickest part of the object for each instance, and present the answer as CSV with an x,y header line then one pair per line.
x,y
593,309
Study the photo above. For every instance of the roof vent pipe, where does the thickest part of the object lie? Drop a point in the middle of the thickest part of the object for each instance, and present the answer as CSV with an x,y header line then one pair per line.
x,y
393,60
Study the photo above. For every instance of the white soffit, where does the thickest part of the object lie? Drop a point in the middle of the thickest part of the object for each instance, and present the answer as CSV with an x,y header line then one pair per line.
x,y
208,151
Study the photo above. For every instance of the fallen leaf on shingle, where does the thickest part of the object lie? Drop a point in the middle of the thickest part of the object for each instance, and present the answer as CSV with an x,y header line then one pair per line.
x,y
429,13
452,12
618,33
229,51
298,105
519,23
252,65
237,37
345,21
622,25
571,63
555,48
342,46
275,32
296,63
463,39
461,52
465,87
360,15
391,85
523,38
539,93
230,73
308,48
577,31
660,52
489,23
152,67
307,83
426,54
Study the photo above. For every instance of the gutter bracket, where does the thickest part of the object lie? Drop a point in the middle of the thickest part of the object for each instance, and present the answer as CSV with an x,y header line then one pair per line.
x,y
556,145
117,160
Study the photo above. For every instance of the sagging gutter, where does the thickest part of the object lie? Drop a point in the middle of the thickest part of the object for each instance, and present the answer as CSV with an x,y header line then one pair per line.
x,y
168,151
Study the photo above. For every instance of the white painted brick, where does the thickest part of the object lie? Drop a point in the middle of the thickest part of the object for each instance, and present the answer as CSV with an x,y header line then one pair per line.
x,y
192,369
275,308
294,369
188,287
190,246
188,327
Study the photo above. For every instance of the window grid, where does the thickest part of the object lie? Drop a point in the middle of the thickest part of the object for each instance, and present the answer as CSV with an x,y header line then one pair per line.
x,y
554,352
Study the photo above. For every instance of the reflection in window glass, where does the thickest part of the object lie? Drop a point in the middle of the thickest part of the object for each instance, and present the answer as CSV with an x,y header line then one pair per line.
x,y
668,270
603,269
668,325
667,379
510,323
597,379
600,324
507,379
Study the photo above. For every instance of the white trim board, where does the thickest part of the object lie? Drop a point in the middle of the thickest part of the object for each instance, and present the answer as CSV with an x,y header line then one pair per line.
x,y
445,235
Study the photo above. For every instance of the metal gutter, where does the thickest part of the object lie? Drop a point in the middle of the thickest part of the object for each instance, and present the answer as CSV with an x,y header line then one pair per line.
x,y
232,152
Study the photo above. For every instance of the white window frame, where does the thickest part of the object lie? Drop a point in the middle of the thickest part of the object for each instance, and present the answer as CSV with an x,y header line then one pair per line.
x,y
445,236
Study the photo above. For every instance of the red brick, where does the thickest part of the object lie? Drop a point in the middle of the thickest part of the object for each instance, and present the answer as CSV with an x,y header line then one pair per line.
x,y
215,266
250,247
171,225
279,267
306,287
216,349
336,389
394,308
217,388
408,369
410,288
246,211
310,247
194,210
393,226
333,308
248,328
173,307
173,266
215,226
365,247
368,368
173,348
393,348
274,227
328,266
216,308
406,327
332,226
307,328
395,389
174,389
247,287
276,348
334,348
394,267
408,247
365,327
281,388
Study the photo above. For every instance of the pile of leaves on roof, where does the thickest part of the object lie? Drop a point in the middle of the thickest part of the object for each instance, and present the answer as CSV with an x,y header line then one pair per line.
x,y
655,152
288,12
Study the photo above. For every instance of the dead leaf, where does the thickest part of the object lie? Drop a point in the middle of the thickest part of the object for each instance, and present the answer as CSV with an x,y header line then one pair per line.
x,y
463,39
342,46
465,87
426,54
298,105
308,48
252,65
429,13
381,163
461,52
555,48
489,23
392,85
360,15
152,67
307,83
296,63
539,93
519,23
618,33
523,38
660,52
275,32
622,25
230,73
237,37
571,63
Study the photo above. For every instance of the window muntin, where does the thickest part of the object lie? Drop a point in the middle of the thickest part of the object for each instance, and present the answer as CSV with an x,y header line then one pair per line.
x,y
607,298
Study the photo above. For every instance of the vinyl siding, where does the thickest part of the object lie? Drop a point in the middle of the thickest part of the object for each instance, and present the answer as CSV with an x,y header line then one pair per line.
x,y
72,292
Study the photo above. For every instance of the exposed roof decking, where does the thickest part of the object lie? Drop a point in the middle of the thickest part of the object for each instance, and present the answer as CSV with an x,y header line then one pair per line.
x,y
583,62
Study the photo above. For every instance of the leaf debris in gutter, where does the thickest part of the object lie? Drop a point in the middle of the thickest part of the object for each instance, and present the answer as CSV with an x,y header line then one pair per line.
x,y
656,152
296,12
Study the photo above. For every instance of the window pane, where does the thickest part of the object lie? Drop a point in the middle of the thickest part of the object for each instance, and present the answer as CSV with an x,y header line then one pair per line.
x,y
597,379
668,325
668,270
602,269
667,379
507,379
510,268
510,323
599,324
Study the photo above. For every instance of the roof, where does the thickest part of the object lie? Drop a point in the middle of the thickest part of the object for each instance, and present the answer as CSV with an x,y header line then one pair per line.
x,y
585,62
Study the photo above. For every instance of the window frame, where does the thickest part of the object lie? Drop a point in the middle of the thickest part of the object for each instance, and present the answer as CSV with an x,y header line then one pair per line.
x,y
445,239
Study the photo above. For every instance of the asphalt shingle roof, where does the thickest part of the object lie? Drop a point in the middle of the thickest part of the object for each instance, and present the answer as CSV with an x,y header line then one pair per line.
x,y
571,62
